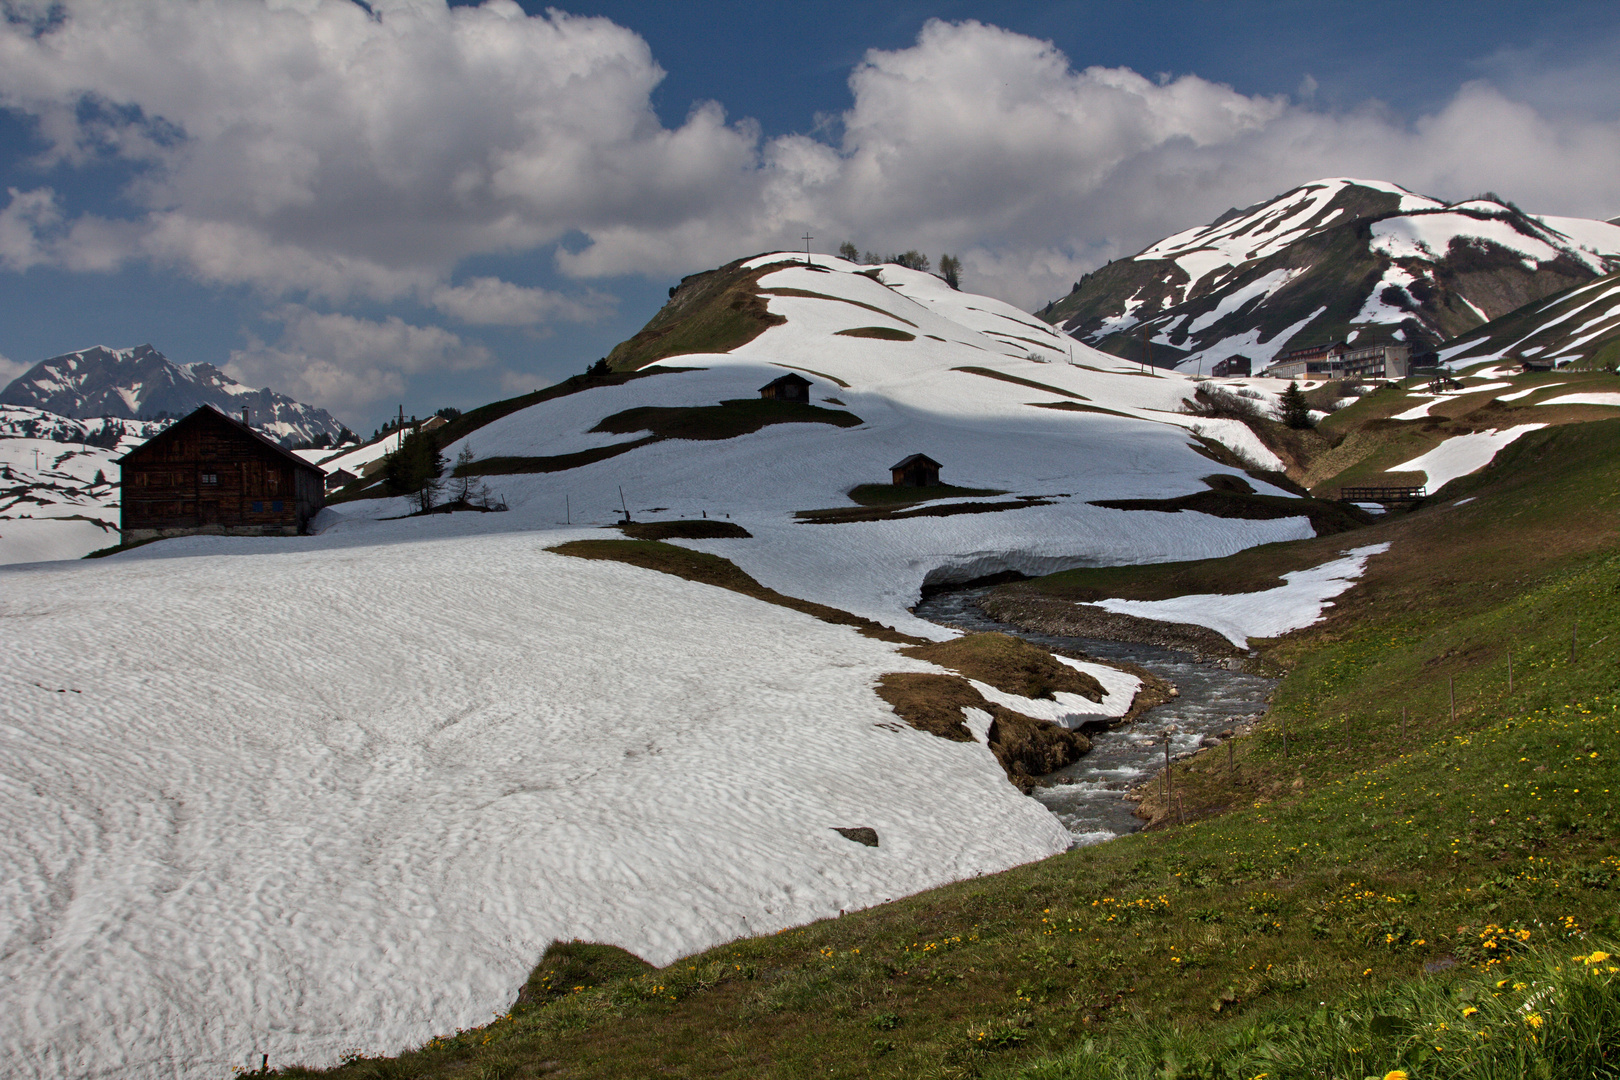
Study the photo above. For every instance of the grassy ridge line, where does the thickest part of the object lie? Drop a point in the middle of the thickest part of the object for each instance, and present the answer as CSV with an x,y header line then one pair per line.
x,y
712,312
1320,876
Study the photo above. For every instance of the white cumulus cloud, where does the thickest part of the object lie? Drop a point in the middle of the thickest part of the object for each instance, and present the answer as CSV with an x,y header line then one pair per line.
x,y
342,362
488,301
321,149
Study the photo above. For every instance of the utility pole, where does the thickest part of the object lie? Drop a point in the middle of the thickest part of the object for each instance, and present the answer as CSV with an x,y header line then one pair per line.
x,y
807,238
1147,349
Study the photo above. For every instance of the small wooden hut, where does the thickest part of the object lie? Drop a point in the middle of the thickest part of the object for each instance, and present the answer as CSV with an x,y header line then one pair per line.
x,y
918,470
211,473
789,387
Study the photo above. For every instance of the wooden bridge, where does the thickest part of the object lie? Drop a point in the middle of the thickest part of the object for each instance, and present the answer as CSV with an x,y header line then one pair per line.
x,y
1385,495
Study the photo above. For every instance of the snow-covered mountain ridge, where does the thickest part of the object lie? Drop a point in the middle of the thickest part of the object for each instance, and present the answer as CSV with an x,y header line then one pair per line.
x,y
141,383
1336,259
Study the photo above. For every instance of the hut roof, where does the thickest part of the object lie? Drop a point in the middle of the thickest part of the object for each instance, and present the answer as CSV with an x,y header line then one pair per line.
x,y
914,459
790,377
268,444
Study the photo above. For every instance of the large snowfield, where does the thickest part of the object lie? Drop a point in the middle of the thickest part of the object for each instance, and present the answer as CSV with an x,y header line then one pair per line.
x,y
296,796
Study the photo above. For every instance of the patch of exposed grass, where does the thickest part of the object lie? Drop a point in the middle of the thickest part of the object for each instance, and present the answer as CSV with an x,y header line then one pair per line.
x,y
807,294
727,420
722,573
1010,664
841,515
1326,517
506,465
685,529
1074,406
1025,747
932,702
896,494
1002,376
470,421
881,333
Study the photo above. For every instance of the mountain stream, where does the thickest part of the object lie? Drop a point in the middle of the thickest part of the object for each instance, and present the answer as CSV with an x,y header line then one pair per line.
x,y
1088,796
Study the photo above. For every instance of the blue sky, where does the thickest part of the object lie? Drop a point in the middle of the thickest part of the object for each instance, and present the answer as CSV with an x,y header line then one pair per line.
x,y
430,206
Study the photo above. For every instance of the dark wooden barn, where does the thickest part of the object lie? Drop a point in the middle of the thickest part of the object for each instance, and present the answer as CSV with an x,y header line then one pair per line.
x,y
211,473
789,387
1231,366
918,470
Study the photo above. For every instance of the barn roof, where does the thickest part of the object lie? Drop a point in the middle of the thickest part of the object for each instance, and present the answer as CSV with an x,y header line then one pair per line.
x,y
790,377
914,459
270,445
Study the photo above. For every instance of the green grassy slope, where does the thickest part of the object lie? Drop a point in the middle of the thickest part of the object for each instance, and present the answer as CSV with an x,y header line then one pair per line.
x,y
715,311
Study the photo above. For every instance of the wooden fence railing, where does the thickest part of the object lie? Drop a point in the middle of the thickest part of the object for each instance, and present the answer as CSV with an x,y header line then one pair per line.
x,y
1407,493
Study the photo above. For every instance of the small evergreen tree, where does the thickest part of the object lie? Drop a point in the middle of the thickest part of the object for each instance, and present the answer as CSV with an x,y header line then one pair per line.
x,y
950,268
849,251
599,368
101,478
911,260
414,469
1293,409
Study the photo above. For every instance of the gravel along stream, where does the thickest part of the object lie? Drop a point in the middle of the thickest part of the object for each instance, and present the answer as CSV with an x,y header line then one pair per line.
x,y
1088,796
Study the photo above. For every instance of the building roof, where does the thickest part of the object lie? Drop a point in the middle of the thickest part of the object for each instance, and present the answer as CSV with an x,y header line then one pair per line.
x,y
208,412
914,459
790,377
1307,352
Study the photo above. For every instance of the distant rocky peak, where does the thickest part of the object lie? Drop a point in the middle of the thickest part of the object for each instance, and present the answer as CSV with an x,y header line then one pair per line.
x,y
140,383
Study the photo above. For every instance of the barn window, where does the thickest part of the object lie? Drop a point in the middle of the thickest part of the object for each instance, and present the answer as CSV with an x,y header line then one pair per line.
x,y
258,506
276,506
210,477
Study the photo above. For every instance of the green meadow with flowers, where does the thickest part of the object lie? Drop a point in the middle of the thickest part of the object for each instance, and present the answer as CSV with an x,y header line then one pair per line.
x,y
1422,881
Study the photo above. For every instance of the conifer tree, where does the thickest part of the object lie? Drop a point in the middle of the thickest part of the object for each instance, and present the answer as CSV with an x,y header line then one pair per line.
x,y
1293,409
950,268
414,469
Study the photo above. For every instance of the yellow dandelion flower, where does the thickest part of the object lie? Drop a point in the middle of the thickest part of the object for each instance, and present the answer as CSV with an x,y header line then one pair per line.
x,y
1396,1074
1533,1020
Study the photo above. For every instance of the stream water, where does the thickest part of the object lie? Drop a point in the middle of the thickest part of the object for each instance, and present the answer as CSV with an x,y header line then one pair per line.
x,y
1088,796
